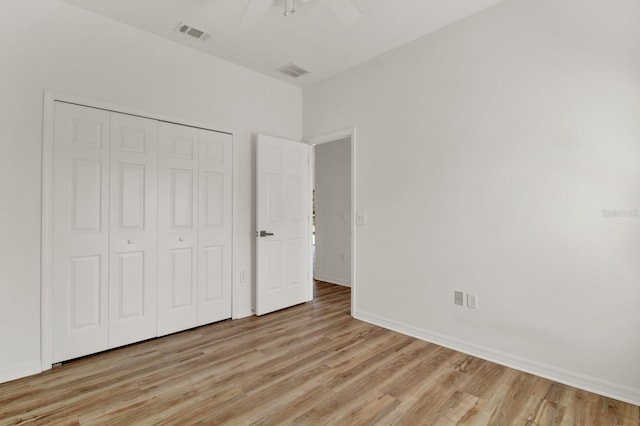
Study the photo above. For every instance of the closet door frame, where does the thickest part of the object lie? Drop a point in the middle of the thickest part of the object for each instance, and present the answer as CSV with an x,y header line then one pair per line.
x,y
46,260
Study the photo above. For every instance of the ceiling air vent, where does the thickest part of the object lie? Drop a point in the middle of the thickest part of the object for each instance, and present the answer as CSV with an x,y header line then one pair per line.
x,y
193,32
293,70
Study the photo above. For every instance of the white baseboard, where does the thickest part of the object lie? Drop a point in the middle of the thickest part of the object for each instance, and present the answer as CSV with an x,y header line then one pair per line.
x,y
8,374
332,280
243,314
567,377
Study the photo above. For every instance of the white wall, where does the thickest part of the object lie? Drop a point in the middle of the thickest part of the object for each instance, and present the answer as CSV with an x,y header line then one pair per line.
x,y
333,212
46,44
486,154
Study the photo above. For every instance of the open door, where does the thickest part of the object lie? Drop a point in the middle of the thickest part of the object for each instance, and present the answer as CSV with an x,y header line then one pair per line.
x,y
283,220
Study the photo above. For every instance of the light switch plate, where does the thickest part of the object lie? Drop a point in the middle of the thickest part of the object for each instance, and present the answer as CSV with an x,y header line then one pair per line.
x,y
472,301
361,219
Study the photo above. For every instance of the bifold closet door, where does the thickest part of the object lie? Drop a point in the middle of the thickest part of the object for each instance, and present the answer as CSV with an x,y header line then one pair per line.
x,y
80,238
215,226
133,229
177,228
142,229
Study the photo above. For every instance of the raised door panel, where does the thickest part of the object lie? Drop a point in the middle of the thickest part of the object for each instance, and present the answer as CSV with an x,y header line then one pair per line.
x,y
215,226
84,292
213,279
130,287
80,237
213,205
274,215
181,199
131,185
181,279
297,241
273,266
133,224
177,228
86,195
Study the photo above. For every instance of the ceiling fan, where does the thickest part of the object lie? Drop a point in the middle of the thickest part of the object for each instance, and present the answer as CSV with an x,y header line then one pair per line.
x,y
343,9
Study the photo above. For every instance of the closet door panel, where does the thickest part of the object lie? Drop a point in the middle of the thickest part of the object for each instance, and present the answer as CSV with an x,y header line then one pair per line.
x,y
80,235
133,229
215,226
177,228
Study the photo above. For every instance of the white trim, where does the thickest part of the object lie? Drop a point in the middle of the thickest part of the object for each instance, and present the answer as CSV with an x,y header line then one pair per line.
x,y
46,233
63,97
349,133
234,231
333,136
567,377
353,220
238,314
50,97
235,311
311,171
20,371
332,280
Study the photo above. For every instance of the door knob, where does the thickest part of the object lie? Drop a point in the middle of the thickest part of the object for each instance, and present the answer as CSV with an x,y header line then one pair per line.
x,y
265,234
129,242
180,239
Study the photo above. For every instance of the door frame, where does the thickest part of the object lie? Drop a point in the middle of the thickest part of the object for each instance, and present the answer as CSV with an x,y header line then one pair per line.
x,y
46,266
348,133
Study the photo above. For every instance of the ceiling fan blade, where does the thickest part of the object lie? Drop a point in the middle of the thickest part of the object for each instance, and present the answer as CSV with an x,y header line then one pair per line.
x,y
255,11
344,10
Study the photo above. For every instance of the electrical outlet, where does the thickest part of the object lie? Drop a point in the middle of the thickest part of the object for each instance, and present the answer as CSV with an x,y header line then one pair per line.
x,y
458,298
472,301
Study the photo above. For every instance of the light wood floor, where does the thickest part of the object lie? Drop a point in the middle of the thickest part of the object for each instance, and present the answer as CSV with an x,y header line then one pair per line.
x,y
311,364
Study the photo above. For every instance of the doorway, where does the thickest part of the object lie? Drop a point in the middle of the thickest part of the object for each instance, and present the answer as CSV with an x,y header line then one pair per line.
x,y
333,207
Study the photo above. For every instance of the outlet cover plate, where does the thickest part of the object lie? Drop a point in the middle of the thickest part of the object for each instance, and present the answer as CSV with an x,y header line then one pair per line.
x,y
458,298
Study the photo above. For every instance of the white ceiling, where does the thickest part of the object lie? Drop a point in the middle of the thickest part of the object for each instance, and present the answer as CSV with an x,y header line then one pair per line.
x,y
314,38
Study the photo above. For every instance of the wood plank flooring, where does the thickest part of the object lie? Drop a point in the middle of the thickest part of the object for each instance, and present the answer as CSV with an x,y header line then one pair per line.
x,y
307,365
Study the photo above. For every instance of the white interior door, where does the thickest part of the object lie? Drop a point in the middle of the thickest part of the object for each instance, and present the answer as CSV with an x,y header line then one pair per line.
x,y
177,228
80,237
283,221
133,229
215,162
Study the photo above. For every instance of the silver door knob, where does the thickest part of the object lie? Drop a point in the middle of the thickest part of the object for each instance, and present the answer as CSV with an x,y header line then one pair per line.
x,y
129,242
180,239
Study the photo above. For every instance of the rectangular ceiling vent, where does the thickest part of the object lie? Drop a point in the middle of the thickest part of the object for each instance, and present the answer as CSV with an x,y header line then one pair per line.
x,y
293,70
192,32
